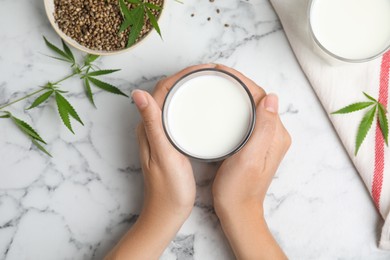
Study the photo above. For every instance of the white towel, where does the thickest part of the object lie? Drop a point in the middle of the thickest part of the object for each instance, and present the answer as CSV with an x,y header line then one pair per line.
x,y
338,86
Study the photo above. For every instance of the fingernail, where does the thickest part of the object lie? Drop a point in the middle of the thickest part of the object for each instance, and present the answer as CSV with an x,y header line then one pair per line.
x,y
139,98
271,103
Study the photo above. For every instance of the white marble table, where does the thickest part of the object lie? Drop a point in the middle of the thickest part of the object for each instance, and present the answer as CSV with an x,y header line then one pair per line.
x,y
76,205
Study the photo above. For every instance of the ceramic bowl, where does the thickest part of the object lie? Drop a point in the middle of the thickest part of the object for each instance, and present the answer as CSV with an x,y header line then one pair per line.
x,y
49,7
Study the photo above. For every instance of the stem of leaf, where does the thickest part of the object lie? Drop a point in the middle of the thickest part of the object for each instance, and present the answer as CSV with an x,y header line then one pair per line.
x,y
36,92
67,77
22,98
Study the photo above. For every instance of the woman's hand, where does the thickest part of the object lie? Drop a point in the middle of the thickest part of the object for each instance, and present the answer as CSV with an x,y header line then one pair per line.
x,y
169,182
242,180
168,176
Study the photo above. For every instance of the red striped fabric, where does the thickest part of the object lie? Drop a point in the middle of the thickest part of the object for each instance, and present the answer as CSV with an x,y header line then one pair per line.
x,y
379,141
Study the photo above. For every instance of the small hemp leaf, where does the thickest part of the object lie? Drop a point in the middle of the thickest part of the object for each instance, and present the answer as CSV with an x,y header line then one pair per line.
x,y
27,129
153,22
89,58
383,123
370,98
88,91
152,6
40,147
101,72
368,119
89,78
138,23
364,127
66,110
127,16
135,18
106,86
42,98
65,55
354,107
30,132
68,51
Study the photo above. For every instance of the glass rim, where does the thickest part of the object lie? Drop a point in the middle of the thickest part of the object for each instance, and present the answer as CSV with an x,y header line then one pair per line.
x,y
244,140
323,48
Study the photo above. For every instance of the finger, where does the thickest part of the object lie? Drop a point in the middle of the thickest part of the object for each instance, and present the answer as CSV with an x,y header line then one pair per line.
x,y
257,92
151,118
144,149
279,146
265,127
163,86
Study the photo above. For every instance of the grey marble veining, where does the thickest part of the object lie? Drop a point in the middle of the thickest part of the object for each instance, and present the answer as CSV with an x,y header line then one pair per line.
x,y
77,204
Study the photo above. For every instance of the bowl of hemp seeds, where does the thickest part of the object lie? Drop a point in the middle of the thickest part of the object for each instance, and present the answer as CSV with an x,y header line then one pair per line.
x,y
103,27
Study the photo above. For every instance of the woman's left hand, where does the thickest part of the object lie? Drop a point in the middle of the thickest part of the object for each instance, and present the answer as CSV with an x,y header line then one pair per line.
x,y
169,181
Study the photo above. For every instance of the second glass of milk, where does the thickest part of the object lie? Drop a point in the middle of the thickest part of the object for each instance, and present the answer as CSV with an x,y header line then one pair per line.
x,y
351,30
208,114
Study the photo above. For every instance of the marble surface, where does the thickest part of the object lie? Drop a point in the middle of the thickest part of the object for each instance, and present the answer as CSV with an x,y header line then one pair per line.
x,y
76,205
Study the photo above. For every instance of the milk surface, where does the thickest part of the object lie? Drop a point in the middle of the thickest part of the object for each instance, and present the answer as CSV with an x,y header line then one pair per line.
x,y
352,29
209,116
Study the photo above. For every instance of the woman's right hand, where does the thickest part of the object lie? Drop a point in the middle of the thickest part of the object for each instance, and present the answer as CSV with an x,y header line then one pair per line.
x,y
242,180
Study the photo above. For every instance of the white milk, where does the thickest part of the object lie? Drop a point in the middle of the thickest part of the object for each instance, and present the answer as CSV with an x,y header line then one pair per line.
x,y
209,115
352,29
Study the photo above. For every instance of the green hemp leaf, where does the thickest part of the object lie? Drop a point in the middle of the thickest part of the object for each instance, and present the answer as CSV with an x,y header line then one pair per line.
x,y
364,127
89,59
136,16
66,111
383,123
88,91
27,130
65,55
89,77
42,98
376,108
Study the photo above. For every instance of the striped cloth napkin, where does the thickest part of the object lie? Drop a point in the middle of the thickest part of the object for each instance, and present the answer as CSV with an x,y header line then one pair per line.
x,y
338,86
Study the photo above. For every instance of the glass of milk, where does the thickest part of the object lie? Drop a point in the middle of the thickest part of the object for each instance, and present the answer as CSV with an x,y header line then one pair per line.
x,y
208,114
351,30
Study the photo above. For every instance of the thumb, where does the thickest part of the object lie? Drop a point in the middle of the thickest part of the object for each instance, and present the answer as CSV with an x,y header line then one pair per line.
x,y
265,127
151,117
